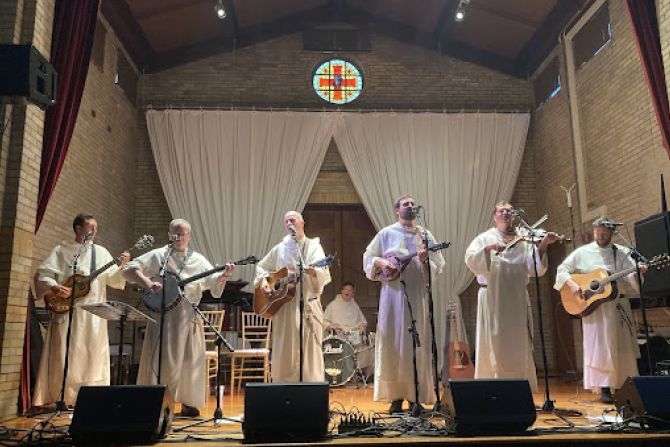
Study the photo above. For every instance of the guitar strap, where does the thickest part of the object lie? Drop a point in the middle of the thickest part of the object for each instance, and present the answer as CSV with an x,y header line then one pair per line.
x,y
92,269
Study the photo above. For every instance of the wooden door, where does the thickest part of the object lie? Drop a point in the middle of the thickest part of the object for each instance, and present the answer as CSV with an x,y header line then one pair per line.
x,y
345,232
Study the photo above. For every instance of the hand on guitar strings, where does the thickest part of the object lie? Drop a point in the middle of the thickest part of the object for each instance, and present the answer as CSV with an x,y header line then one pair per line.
x,y
386,266
230,266
124,258
61,291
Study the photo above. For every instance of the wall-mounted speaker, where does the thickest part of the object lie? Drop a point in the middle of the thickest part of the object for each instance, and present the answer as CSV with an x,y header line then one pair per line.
x,y
25,72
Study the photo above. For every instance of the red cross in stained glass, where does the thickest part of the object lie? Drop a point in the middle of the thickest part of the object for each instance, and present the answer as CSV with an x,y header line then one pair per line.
x,y
337,82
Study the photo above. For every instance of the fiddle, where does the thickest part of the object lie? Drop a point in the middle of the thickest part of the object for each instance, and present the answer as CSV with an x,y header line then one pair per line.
x,y
524,234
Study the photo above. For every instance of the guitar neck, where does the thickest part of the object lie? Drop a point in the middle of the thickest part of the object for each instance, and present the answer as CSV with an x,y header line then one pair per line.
x,y
204,274
615,276
98,272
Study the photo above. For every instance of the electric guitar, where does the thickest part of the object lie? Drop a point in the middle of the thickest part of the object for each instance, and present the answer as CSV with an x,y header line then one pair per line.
x,y
598,286
282,289
60,305
401,261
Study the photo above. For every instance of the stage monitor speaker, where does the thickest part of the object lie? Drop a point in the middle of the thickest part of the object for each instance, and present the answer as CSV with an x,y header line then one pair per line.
x,y
121,414
285,412
25,72
645,397
488,406
651,241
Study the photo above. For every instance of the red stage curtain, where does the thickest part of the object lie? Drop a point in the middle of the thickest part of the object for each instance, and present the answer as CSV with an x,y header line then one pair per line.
x,y
71,44
645,25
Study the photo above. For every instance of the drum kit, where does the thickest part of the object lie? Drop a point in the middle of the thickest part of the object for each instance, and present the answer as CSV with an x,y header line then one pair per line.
x,y
341,355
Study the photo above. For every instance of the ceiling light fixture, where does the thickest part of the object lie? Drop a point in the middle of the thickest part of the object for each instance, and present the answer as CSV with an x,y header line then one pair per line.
x,y
220,10
460,10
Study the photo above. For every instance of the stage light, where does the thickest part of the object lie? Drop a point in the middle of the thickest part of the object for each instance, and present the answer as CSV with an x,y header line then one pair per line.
x,y
220,10
460,14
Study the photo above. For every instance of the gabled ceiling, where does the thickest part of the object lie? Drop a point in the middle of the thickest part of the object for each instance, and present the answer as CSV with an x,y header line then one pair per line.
x,y
512,36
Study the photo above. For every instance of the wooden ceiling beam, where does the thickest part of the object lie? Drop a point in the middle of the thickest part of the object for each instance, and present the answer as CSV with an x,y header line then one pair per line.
x,y
131,35
545,39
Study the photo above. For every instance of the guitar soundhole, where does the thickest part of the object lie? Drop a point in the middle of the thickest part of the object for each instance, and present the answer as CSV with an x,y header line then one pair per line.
x,y
595,285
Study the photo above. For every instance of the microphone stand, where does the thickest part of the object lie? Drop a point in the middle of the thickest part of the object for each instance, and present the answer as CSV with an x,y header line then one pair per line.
x,y
429,292
301,305
60,404
416,343
639,258
220,341
163,273
548,405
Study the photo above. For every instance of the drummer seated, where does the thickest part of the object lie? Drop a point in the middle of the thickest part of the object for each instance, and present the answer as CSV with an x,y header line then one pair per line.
x,y
343,313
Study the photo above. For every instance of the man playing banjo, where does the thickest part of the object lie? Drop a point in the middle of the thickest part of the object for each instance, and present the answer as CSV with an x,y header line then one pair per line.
x,y
183,356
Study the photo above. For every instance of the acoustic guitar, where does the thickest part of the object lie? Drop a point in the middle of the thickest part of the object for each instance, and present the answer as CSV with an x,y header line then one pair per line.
x,y
598,287
60,305
282,289
460,365
401,261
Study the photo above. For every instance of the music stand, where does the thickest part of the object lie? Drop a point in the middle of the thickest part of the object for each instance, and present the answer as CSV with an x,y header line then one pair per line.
x,y
121,312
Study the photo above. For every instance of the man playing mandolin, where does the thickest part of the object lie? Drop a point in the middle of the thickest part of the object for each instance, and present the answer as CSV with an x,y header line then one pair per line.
x,y
286,321
504,321
610,344
183,356
394,372
89,342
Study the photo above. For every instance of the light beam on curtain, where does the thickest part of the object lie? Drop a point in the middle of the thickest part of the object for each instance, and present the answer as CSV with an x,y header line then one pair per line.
x,y
233,174
456,165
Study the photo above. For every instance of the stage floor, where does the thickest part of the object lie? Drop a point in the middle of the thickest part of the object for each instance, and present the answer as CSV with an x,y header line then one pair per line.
x,y
587,429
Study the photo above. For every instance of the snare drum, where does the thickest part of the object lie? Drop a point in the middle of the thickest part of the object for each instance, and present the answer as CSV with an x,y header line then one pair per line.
x,y
339,360
357,337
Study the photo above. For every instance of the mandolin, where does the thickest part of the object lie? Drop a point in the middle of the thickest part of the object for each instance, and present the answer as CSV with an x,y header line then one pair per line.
x,y
60,305
598,287
401,261
282,285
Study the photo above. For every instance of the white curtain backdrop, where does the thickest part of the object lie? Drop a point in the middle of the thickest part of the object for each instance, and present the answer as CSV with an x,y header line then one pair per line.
x,y
233,174
456,165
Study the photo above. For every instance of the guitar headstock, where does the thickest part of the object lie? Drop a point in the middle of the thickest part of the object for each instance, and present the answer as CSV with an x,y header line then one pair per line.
x,y
145,241
440,246
660,261
325,262
246,261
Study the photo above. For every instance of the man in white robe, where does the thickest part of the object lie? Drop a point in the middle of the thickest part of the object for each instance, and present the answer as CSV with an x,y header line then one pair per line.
x,y
183,357
394,372
88,362
504,340
344,313
609,338
286,322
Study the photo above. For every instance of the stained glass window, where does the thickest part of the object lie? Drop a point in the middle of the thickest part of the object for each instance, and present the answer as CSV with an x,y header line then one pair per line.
x,y
337,81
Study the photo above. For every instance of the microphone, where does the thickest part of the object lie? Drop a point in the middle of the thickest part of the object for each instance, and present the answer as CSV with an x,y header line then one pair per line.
x,y
414,210
292,229
611,224
517,212
174,238
88,235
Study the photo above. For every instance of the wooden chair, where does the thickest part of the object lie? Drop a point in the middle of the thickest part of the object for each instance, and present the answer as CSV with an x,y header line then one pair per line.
x,y
252,361
211,358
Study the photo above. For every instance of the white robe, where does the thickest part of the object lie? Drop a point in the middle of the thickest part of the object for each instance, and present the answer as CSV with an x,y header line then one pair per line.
x,y
286,322
394,373
610,344
88,362
344,314
183,361
504,342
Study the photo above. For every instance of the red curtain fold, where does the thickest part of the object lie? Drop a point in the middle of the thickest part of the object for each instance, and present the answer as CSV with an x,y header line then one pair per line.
x,y
71,45
642,14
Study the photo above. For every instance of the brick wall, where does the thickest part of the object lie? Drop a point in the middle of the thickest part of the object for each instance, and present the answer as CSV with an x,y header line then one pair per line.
x,y
20,152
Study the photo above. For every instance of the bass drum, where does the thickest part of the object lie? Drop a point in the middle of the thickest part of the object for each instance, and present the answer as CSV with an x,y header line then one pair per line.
x,y
339,360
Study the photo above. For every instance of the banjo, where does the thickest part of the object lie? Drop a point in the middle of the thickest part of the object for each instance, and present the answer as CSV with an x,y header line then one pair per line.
x,y
173,284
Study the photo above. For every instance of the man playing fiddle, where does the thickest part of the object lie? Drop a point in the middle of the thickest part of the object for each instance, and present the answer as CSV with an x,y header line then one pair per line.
x,y
504,345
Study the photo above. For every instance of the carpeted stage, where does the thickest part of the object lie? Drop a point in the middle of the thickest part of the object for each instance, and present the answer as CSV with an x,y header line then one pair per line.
x,y
588,429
